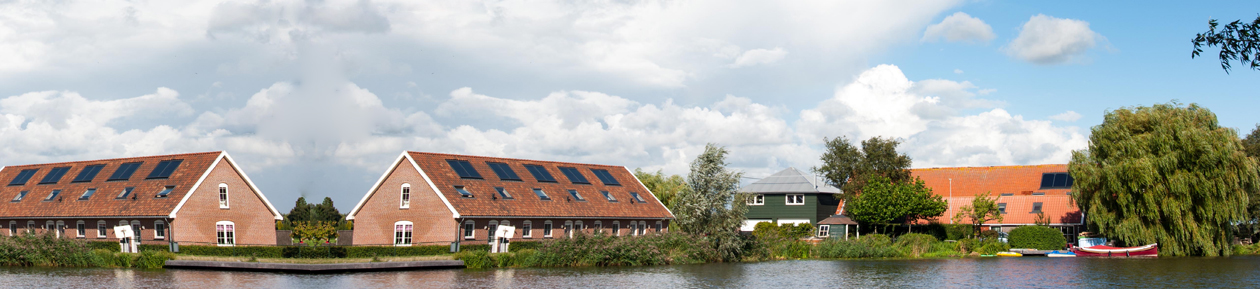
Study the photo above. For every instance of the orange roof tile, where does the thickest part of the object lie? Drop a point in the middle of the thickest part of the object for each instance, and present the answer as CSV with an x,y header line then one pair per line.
x,y
1021,184
103,202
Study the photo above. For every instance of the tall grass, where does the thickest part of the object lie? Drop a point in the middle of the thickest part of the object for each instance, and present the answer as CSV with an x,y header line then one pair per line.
x,y
602,250
48,251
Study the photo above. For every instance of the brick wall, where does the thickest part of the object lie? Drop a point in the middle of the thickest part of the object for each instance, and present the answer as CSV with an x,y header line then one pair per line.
x,y
432,221
481,228
147,232
195,223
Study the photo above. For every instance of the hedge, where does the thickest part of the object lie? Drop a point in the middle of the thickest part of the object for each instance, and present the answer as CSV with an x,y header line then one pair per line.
x,y
1037,237
311,251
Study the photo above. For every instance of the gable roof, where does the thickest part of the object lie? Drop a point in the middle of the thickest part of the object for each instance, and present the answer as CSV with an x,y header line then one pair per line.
x,y
971,181
789,180
141,202
485,202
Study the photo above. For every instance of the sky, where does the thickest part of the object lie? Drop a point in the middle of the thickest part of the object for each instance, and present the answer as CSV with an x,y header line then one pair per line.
x,y
317,98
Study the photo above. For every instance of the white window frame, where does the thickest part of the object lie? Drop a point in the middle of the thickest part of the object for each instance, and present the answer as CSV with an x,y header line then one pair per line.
x,y
406,232
659,227
13,228
61,229
102,229
789,197
568,229
224,196
227,236
527,230
578,227
757,200
490,227
824,231
599,227
470,230
616,228
159,232
30,226
547,229
135,226
48,226
642,228
404,196
80,229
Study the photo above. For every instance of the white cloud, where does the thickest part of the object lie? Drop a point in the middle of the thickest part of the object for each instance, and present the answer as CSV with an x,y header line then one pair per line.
x,y
1048,40
1067,116
958,71
759,56
959,27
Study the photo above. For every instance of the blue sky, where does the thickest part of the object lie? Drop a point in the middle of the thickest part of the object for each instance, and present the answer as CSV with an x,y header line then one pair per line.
x,y
316,98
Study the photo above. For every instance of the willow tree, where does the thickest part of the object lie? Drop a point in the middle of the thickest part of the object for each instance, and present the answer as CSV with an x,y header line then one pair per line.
x,y
709,208
1167,174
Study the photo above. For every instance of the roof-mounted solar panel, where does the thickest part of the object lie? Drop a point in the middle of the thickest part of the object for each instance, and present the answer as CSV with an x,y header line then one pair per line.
x,y
88,173
504,171
54,175
574,175
124,171
464,169
540,173
22,177
605,177
164,169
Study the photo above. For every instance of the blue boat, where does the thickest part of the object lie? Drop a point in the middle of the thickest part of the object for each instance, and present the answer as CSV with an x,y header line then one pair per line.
x,y
1060,253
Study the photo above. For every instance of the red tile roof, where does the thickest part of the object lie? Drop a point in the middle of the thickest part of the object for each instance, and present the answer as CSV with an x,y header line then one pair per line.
x,y
525,202
102,202
960,184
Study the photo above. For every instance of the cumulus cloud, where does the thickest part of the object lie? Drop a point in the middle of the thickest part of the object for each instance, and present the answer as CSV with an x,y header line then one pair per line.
x,y
759,56
1067,116
1049,40
959,27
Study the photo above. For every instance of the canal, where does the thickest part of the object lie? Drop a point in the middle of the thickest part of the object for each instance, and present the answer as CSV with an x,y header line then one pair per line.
x,y
1233,272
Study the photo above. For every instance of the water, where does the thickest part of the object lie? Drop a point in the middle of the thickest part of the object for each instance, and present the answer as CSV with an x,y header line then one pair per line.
x,y
1234,272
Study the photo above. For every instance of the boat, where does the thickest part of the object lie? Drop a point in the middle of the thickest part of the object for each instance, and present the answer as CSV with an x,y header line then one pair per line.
x,y
1095,247
1009,254
1060,253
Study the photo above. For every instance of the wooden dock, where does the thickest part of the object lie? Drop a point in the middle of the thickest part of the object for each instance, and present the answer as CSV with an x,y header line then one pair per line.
x,y
314,268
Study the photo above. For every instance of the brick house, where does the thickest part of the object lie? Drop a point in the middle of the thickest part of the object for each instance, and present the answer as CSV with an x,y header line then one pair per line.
x,y
192,199
432,198
1022,192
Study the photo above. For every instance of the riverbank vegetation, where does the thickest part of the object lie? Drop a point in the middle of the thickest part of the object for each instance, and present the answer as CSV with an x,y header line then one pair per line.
x,y
46,250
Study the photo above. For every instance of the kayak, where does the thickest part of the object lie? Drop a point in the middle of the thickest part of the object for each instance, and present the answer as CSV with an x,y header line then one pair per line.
x,y
1009,254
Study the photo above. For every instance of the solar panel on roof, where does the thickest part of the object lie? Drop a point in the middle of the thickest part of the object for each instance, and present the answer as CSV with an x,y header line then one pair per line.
x,y
540,173
504,171
88,173
124,171
605,177
1056,180
464,169
1047,180
22,177
164,169
54,175
574,175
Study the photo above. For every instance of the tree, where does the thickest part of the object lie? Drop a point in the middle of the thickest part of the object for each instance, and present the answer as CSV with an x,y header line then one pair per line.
x,y
848,168
1251,227
666,188
981,210
1238,41
709,208
1167,174
884,201
304,212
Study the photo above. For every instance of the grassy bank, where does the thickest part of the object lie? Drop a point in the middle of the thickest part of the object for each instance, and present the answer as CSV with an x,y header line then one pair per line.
x,y
48,251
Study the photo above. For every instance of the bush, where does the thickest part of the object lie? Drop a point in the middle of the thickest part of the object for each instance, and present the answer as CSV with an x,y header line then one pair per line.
x,y
1037,237
868,246
915,244
374,251
313,251
245,251
769,231
1253,249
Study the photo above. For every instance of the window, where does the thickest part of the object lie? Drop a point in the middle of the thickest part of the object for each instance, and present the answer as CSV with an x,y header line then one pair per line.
x,y
504,171
658,226
1002,208
796,199
80,229
462,192
469,232
824,230
464,169
574,175
52,195
490,227
637,197
642,228
599,227
547,229
165,191
135,227
578,228
30,226
402,233
159,230
22,177
87,174
124,171
1056,181
226,233
503,193
126,192
61,229
540,173
87,194
542,195
164,169
101,230
568,229
1008,194
20,195
608,196
1036,207
576,196
527,229
12,228
757,200
54,175
616,228
223,196
404,198
605,177
1039,193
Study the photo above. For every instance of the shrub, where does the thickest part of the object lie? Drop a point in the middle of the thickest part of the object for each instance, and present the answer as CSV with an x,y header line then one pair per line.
x,y
374,251
1253,249
915,244
868,246
313,252
153,259
1037,237
246,251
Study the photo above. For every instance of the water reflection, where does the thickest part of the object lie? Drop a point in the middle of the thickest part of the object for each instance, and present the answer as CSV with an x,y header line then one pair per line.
x,y
951,273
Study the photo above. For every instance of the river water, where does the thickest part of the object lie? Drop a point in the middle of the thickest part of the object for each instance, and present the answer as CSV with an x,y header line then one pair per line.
x,y
1025,272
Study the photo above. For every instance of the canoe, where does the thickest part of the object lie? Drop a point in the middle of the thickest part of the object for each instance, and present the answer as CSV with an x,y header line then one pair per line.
x,y
1009,254
1150,250
1058,253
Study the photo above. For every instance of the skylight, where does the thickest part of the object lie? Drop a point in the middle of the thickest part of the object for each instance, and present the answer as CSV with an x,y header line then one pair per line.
x,y
20,195
124,171
608,196
605,177
54,175
52,195
463,192
164,169
464,169
576,196
637,197
542,195
87,194
540,173
504,171
22,177
166,191
125,193
1056,181
503,193
88,173
574,175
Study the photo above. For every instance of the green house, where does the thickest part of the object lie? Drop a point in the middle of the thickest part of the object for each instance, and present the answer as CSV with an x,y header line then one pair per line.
x,y
789,197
